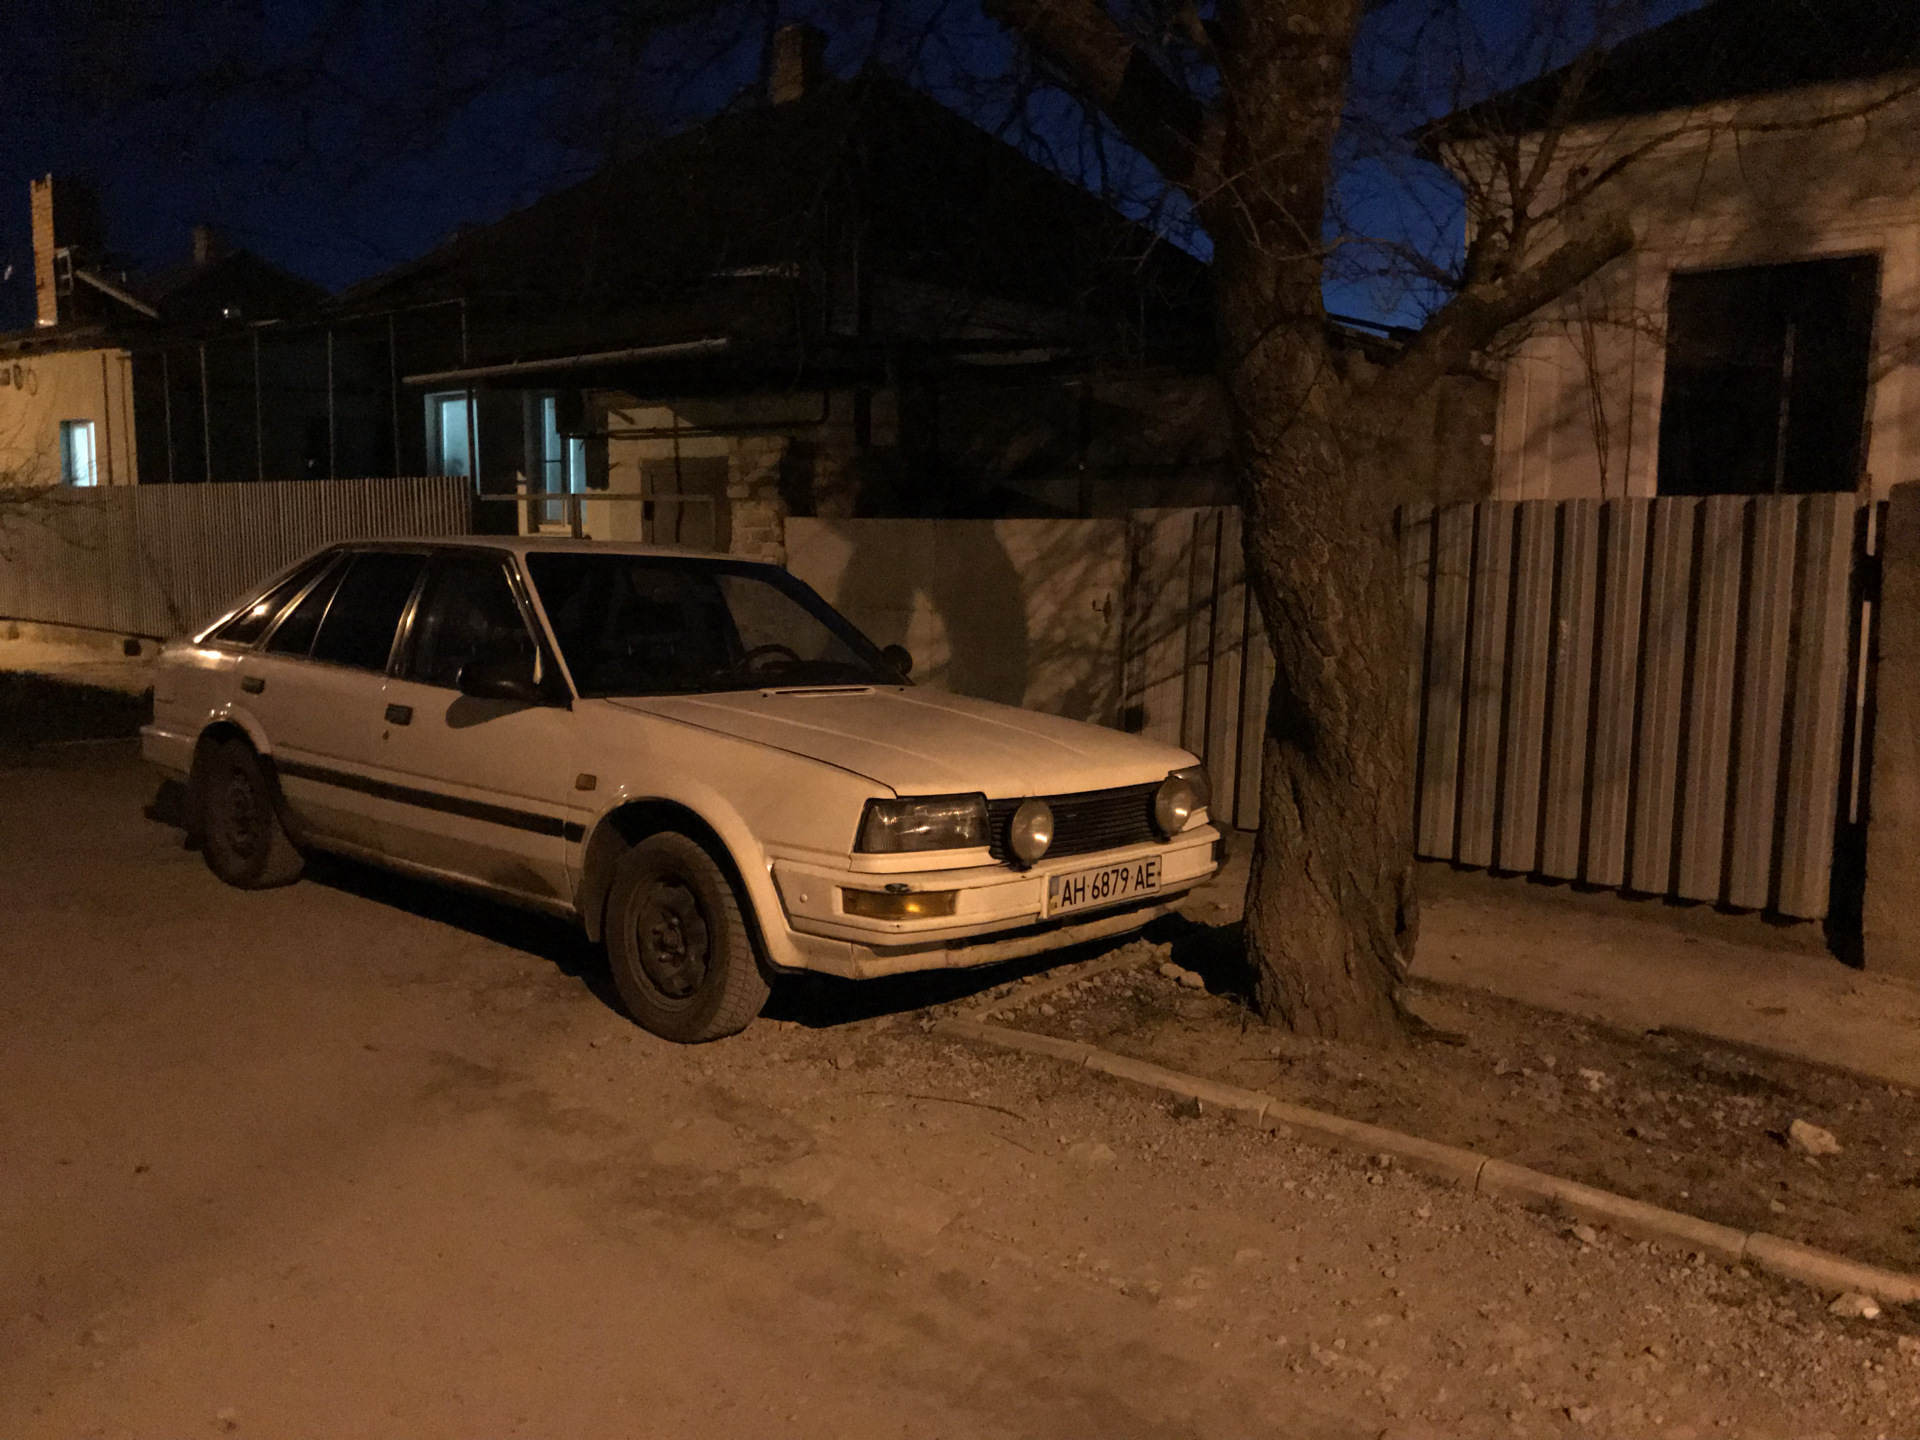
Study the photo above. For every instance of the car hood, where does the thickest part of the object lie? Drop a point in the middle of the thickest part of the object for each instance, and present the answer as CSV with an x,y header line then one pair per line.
x,y
925,742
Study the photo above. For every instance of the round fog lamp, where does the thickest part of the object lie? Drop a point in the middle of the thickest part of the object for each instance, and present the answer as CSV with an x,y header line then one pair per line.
x,y
1031,831
1173,805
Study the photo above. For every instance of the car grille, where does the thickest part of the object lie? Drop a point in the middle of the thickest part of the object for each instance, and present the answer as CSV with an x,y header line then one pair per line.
x,y
1084,823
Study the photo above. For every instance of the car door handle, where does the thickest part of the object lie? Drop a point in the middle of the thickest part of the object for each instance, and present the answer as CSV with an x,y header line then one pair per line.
x,y
252,684
399,714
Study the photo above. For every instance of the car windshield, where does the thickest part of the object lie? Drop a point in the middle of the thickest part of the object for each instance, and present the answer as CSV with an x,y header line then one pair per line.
x,y
659,625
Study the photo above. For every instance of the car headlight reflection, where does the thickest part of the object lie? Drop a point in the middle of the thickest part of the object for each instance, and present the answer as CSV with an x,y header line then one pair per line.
x,y
1181,796
932,822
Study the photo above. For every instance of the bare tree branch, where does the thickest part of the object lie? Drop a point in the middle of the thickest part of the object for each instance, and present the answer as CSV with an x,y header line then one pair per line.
x,y
1471,320
1099,61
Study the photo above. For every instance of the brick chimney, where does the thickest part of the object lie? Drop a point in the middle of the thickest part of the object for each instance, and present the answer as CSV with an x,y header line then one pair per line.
x,y
65,218
45,293
207,244
799,63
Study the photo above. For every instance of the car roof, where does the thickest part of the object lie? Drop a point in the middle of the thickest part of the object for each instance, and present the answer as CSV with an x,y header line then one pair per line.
x,y
538,545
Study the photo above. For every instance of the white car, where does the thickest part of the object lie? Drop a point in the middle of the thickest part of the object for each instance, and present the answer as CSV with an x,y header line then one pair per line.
x,y
694,757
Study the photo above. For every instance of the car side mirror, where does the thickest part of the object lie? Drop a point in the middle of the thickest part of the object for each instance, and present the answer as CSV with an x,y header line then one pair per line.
x,y
502,677
898,658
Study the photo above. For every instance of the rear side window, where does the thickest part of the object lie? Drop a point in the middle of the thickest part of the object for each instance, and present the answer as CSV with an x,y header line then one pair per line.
x,y
294,635
360,623
251,623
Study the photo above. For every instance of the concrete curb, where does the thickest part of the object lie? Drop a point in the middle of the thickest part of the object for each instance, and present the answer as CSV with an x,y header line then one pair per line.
x,y
1479,1174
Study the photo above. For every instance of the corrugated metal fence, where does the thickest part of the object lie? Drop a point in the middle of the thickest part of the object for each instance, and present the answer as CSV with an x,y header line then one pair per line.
x,y
1655,694
154,560
1661,695
1195,668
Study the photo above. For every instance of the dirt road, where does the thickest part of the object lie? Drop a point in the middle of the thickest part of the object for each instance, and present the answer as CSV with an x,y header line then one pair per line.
x,y
360,1159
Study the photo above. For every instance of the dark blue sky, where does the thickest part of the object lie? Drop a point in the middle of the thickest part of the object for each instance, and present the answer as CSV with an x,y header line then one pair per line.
x,y
339,170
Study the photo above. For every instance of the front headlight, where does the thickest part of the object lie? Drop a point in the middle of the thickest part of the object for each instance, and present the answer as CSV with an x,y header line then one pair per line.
x,y
932,822
1181,796
1030,832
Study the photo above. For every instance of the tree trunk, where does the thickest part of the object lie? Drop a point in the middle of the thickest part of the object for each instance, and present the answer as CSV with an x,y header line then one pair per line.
x,y
1331,912
1331,909
1330,906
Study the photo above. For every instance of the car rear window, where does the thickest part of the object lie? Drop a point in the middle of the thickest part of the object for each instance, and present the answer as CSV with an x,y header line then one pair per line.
x,y
360,623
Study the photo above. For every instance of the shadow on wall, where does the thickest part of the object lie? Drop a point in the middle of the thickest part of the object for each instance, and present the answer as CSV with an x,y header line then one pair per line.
x,y
1024,612
979,605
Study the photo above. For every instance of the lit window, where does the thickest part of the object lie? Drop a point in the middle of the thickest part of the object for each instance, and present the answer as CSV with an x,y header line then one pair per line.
x,y
77,461
450,433
563,461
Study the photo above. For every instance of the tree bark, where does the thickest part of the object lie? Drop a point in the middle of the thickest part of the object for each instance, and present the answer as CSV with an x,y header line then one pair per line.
x,y
1331,913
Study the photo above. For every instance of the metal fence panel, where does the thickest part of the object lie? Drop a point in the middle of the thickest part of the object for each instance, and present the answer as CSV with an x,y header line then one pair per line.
x,y
156,560
1694,683
1625,526
1570,689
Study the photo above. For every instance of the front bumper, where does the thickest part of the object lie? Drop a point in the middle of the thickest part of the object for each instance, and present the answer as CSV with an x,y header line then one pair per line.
x,y
999,914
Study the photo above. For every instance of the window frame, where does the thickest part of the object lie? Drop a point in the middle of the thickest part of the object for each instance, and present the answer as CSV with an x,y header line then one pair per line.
x,y
69,471
332,575
435,403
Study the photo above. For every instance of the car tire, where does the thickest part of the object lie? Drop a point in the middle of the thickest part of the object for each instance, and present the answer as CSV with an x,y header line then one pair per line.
x,y
678,944
242,837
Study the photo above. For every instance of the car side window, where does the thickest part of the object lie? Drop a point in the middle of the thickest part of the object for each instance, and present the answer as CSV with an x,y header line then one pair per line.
x,y
251,623
294,634
360,623
467,612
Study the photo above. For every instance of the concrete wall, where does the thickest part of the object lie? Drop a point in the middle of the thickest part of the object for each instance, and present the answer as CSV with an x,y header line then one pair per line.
x,y
43,389
1027,612
1815,174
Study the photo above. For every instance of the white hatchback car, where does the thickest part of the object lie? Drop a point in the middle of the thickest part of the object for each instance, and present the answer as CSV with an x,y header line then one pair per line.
x,y
694,757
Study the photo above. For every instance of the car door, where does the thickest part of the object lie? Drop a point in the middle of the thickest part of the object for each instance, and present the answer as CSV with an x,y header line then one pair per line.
x,y
316,686
490,781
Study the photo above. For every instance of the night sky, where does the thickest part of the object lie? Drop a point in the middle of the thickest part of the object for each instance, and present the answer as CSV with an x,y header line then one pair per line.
x,y
338,138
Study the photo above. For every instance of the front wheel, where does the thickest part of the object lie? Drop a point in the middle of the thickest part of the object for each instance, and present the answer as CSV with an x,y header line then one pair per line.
x,y
678,944
243,840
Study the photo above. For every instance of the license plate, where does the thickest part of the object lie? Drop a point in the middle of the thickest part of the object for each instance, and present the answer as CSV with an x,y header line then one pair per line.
x,y
1103,885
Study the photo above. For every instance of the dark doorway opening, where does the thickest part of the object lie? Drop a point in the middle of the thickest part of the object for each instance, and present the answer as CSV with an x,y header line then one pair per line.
x,y
1767,376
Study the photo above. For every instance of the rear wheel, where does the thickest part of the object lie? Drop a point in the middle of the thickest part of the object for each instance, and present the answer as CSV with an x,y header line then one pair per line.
x,y
242,838
678,944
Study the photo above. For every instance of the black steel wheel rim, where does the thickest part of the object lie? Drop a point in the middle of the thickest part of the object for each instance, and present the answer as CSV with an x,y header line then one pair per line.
x,y
242,815
673,938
